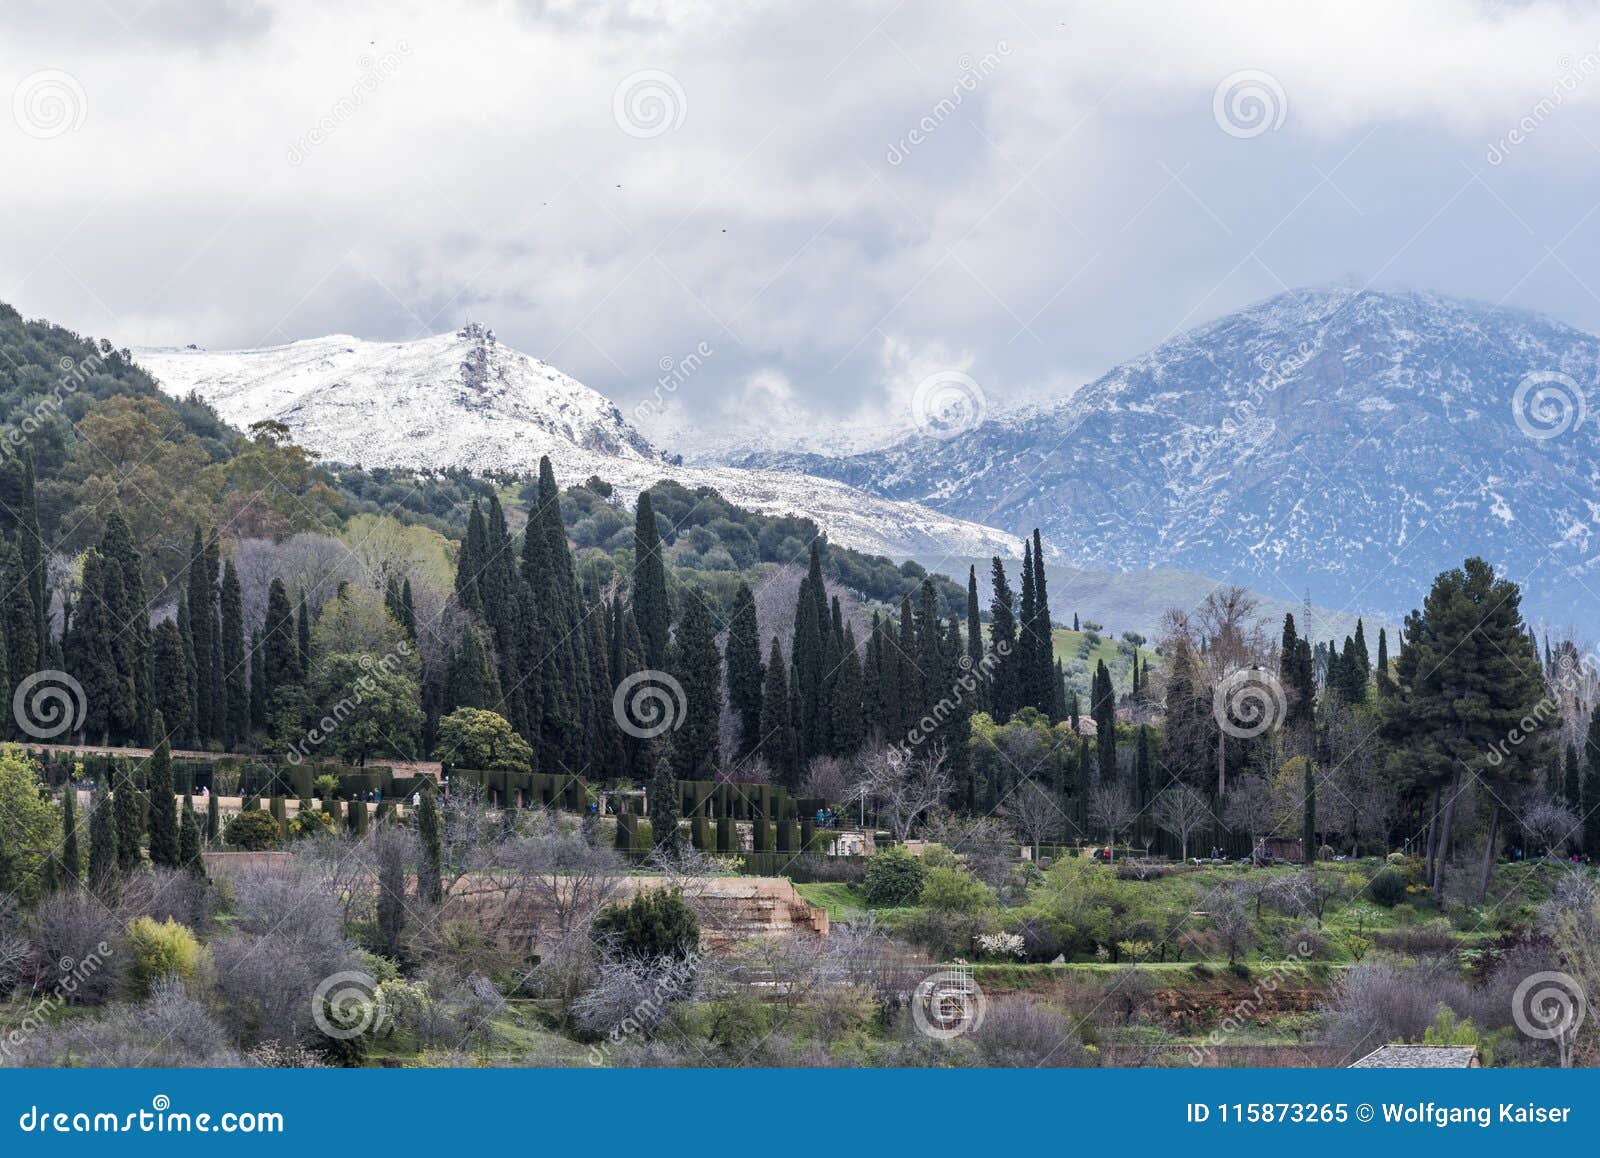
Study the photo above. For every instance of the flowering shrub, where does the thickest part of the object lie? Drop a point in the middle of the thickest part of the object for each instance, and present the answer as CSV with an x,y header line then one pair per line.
x,y
1001,944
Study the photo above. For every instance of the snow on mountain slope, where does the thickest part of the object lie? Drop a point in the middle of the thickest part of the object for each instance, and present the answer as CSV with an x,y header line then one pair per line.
x,y
1342,443
465,400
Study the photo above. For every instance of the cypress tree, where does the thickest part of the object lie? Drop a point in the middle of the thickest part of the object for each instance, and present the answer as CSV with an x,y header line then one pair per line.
x,y
1028,685
280,641
130,823
1104,707
698,668
21,632
1308,833
742,655
213,818
235,669
849,724
1046,697
974,624
30,544
430,868
71,856
1385,682
664,797
103,855
172,681
650,607
258,682
202,620
189,840
90,658
469,681
163,805
470,561
302,632
777,732
1142,768
1571,781
1003,639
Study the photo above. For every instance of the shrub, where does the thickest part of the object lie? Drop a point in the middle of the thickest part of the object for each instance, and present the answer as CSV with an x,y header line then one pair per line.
x,y
1388,888
252,830
894,877
954,891
655,924
1430,939
158,950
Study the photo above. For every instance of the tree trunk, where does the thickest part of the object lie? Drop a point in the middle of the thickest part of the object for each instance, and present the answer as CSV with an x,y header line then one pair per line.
x,y
1446,831
1488,852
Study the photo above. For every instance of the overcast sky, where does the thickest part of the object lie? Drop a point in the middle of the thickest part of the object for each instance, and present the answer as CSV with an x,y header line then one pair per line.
x,y
835,198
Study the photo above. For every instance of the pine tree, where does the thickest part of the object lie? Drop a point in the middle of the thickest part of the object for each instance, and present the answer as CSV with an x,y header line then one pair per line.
x,y
745,673
71,856
650,606
163,816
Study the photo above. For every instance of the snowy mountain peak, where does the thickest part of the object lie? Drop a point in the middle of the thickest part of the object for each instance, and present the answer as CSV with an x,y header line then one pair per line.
x,y
465,400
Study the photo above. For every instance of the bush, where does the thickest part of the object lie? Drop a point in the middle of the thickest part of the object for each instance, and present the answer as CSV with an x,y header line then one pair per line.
x,y
954,891
252,830
159,950
655,924
894,877
1388,888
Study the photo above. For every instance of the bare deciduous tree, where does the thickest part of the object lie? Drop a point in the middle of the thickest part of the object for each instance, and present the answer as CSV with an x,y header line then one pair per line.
x,y
1180,811
905,786
1035,813
1111,808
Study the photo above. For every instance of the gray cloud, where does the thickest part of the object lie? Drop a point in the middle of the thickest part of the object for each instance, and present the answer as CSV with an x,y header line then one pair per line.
x,y
851,196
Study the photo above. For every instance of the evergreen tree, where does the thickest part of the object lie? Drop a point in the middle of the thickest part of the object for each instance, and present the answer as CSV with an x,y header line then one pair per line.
x,y
21,633
235,669
1028,688
172,680
469,681
1142,769
1308,831
698,668
104,859
1103,705
71,855
430,865
745,672
777,733
975,638
470,561
1572,781
130,823
259,702
664,796
202,620
213,818
650,606
163,815
302,635
1385,681
1003,640
1046,698
280,640
849,724
189,840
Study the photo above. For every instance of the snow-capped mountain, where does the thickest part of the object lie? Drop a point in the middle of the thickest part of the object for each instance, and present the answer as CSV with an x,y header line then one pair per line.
x,y
1344,443
465,400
